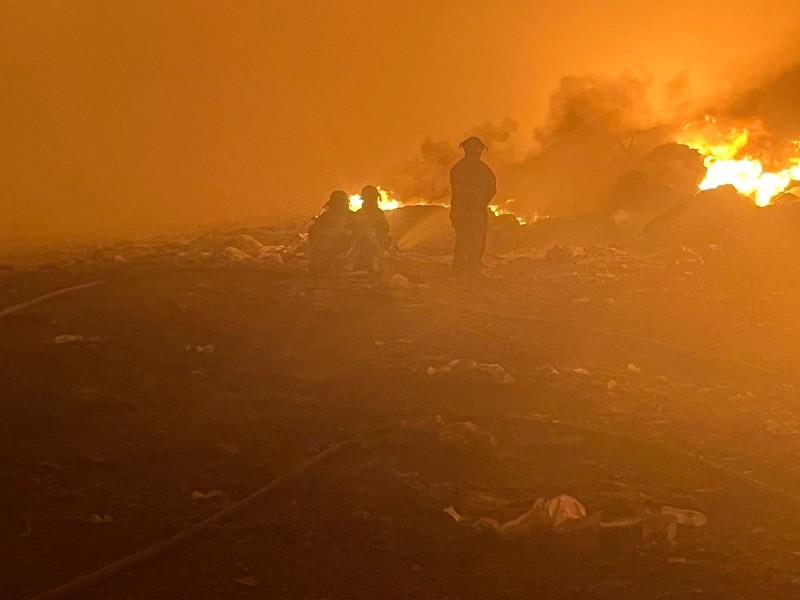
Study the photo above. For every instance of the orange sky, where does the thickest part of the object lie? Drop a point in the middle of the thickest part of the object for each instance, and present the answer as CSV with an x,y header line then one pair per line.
x,y
130,117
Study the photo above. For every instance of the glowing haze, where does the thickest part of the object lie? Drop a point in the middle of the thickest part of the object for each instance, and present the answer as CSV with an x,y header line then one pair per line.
x,y
128,118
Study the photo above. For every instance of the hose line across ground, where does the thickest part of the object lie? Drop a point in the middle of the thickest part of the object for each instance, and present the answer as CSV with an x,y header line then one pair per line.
x,y
86,582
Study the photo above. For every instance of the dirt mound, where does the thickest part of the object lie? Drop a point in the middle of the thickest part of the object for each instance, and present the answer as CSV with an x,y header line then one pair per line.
x,y
664,178
700,221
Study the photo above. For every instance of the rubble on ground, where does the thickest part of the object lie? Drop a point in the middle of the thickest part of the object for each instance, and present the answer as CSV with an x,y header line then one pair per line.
x,y
701,221
469,370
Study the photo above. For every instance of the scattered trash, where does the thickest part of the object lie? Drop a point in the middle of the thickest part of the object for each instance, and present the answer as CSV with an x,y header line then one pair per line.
x,y
582,301
581,371
563,509
690,518
246,244
567,517
235,255
209,496
100,519
556,515
248,581
782,423
450,510
207,349
578,251
632,368
270,258
399,282
495,372
75,339
612,385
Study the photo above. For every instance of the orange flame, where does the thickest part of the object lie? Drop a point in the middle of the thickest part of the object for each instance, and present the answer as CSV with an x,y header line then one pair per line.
x,y
728,162
386,202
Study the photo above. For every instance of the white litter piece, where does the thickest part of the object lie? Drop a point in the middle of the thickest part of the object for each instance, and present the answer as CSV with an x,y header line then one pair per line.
x,y
209,496
451,511
245,243
100,519
689,518
496,372
75,339
207,349
235,255
632,368
470,368
563,509
581,371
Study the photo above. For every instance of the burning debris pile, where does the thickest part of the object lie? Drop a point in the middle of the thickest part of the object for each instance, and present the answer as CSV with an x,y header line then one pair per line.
x,y
730,159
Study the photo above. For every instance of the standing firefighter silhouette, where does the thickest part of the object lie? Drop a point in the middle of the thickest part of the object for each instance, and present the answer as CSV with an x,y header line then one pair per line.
x,y
472,185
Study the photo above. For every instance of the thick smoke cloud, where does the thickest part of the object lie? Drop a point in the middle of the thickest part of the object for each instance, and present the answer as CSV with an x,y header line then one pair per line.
x,y
599,129
595,129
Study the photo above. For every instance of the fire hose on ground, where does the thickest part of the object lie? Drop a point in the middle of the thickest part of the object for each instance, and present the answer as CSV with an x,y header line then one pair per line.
x,y
91,580
86,582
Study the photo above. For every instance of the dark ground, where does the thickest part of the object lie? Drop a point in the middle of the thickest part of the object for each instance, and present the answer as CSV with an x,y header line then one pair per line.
x,y
130,424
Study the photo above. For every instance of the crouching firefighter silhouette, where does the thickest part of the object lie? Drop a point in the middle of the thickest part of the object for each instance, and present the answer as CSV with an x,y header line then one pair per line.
x,y
331,236
374,238
472,185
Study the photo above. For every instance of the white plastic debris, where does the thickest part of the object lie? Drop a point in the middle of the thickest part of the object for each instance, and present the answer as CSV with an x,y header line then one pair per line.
x,y
248,581
235,255
209,496
246,244
632,368
75,339
496,372
100,519
207,349
563,509
689,518
558,515
612,385
452,512
581,371
468,368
